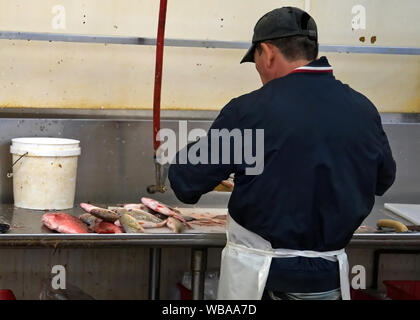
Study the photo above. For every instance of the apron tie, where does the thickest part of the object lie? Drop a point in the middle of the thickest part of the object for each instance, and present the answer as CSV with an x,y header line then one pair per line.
x,y
246,261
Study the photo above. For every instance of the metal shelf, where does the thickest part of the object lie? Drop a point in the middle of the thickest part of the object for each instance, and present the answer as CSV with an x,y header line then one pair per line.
x,y
80,38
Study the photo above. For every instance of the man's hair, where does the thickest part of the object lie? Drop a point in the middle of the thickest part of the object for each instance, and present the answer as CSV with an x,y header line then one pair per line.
x,y
294,48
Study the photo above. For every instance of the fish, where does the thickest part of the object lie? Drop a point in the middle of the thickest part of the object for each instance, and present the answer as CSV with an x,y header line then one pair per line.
x,y
161,208
101,213
63,223
208,219
146,219
99,226
143,215
104,227
89,219
113,208
129,206
175,225
177,211
130,224
118,223
157,206
141,206
137,206
118,210
138,214
148,224
187,218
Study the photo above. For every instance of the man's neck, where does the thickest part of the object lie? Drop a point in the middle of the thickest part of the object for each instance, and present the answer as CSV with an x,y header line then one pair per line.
x,y
289,67
284,67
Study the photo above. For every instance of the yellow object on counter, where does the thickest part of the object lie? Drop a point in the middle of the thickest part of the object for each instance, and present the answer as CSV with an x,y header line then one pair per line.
x,y
388,223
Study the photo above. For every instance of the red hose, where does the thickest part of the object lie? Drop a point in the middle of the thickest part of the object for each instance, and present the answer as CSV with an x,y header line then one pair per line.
x,y
158,72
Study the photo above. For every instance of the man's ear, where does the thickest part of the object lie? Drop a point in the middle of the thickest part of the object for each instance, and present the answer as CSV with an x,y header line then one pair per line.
x,y
268,51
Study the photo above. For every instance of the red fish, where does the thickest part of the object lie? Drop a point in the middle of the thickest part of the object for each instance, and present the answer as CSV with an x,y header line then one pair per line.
x,y
63,223
107,227
161,208
99,226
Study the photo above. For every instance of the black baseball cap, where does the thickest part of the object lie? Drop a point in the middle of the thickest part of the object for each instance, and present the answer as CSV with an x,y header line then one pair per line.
x,y
281,23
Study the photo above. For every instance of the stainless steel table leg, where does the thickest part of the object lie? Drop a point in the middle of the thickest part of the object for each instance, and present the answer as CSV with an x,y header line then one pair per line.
x,y
198,269
154,273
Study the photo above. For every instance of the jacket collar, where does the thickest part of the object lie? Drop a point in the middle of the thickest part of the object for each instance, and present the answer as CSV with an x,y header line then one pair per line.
x,y
320,65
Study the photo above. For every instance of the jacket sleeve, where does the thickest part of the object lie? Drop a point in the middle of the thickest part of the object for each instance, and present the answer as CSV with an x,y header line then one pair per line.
x,y
387,167
190,181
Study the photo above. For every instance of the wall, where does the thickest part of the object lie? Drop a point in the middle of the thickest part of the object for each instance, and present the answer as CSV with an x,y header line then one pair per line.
x,y
116,164
65,75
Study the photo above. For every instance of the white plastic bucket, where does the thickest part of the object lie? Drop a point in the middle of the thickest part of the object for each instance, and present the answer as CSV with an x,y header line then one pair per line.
x,y
44,172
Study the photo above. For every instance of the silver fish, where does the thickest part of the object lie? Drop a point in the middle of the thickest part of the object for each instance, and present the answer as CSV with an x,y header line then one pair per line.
x,y
138,214
143,215
130,224
148,224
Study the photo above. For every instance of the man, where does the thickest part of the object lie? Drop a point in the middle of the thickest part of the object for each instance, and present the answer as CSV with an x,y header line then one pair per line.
x,y
326,156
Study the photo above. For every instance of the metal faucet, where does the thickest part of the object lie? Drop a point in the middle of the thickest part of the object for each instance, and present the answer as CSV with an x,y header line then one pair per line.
x,y
161,173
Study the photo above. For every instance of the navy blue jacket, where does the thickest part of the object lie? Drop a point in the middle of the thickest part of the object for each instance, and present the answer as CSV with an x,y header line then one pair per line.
x,y
326,156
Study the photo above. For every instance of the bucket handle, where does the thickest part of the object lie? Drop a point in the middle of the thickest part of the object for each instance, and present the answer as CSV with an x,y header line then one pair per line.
x,y
9,174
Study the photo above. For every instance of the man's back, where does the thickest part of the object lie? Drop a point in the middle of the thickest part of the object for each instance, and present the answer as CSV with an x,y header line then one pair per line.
x,y
324,148
325,158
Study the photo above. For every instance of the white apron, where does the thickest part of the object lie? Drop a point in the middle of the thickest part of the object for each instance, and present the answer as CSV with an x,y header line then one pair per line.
x,y
246,261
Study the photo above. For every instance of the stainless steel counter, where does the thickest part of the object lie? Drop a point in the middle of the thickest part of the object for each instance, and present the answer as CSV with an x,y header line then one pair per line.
x,y
27,230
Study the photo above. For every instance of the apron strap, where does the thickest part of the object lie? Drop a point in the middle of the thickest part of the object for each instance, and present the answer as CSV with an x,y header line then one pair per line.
x,y
343,265
337,255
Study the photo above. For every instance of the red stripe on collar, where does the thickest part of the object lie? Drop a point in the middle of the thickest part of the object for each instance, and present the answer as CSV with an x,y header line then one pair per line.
x,y
313,70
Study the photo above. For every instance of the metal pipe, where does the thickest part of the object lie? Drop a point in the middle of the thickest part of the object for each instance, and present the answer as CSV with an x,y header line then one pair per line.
x,y
154,273
78,38
370,49
137,115
62,37
160,178
198,269
158,72
160,183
